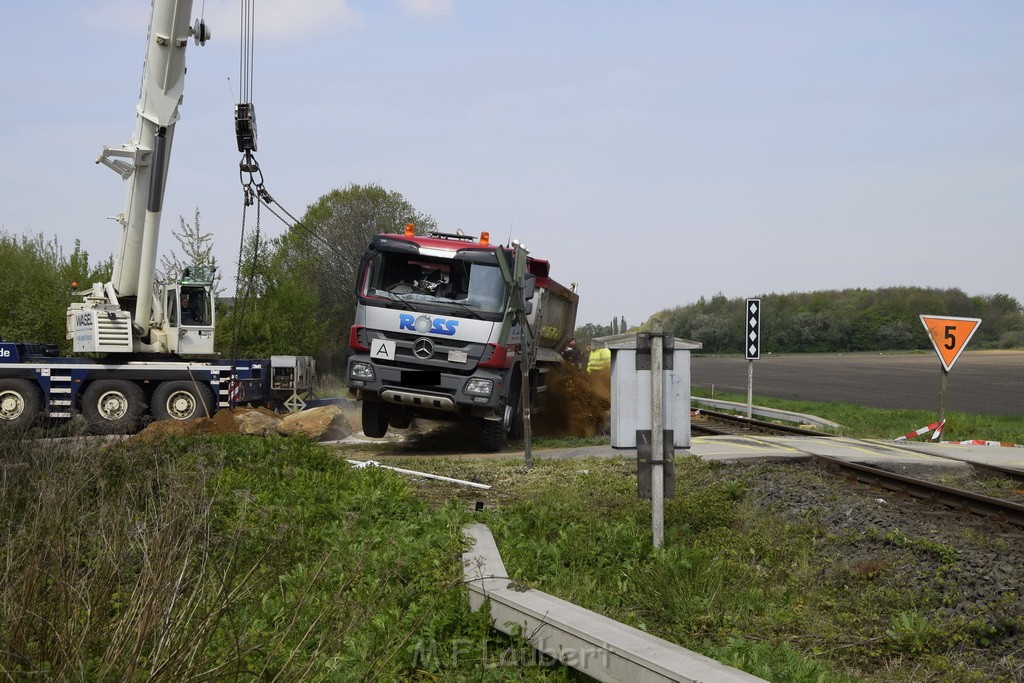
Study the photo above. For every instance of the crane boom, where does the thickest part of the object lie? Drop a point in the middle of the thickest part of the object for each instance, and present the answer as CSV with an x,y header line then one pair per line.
x,y
143,162
163,83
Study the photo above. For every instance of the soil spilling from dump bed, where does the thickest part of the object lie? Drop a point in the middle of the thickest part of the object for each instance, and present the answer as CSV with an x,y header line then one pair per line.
x,y
578,403
222,422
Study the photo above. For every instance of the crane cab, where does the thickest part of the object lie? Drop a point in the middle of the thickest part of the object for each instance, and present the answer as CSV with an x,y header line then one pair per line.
x,y
189,314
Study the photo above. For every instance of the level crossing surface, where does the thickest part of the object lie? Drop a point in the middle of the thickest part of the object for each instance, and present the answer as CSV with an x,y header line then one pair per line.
x,y
748,448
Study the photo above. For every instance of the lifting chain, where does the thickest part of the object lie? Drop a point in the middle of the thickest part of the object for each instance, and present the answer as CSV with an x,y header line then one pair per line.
x,y
251,177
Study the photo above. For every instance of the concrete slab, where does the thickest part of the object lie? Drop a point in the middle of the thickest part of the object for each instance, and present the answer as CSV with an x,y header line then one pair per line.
x,y
602,648
738,448
770,413
860,450
1000,456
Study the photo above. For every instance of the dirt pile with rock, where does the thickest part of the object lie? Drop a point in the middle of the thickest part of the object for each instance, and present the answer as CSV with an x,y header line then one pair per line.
x,y
578,403
325,423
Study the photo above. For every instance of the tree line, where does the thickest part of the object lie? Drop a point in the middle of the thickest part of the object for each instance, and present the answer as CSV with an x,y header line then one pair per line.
x,y
37,286
295,294
585,333
845,320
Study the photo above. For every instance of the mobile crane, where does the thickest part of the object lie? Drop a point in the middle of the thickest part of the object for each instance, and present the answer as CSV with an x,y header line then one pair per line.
x,y
140,335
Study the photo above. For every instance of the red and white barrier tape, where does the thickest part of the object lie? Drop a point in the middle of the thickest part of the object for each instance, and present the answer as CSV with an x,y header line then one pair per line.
x,y
934,426
978,442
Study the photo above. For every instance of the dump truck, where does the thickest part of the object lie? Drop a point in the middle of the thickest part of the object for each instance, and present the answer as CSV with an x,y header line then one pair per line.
x,y
454,328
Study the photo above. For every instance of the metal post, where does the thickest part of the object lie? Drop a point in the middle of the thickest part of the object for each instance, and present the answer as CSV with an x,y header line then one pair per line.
x,y
524,384
750,389
943,391
527,351
657,435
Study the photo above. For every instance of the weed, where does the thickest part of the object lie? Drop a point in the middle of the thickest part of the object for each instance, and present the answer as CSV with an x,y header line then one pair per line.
x,y
945,553
224,557
912,632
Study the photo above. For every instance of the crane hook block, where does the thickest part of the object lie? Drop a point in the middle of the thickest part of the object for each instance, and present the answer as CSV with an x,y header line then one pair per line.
x,y
245,126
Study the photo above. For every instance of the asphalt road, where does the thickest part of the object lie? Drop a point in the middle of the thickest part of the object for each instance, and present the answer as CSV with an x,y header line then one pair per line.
x,y
981,382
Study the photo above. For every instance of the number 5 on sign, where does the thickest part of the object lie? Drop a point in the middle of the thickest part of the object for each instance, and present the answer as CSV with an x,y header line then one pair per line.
x,y
949,336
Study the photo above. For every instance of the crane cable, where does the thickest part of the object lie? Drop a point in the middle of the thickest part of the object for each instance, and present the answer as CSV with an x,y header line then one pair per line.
x,y
251,178
253,189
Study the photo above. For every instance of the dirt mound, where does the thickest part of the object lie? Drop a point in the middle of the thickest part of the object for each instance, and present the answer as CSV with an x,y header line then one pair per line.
x,y
327,422
578,403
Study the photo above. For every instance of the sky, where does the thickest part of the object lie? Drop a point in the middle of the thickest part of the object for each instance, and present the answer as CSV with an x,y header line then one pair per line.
x,y
654,151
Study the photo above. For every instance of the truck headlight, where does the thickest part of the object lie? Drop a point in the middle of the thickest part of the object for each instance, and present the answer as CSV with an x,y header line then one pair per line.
x,y
479,387
362,371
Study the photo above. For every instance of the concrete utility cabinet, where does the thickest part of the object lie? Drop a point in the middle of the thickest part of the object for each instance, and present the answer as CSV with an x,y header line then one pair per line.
x,y
631,388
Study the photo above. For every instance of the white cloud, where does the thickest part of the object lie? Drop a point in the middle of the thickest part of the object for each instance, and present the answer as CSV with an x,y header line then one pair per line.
x,y
426,8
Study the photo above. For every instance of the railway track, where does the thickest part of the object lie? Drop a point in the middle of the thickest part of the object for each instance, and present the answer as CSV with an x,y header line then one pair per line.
x,y
709,422
713,423
957,500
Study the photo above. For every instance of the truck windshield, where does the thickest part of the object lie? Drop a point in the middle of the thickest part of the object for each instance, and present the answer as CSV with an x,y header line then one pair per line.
x,y
415,278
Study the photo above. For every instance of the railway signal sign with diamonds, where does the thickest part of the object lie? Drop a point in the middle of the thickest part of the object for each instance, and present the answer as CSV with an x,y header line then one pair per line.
x,y
753,334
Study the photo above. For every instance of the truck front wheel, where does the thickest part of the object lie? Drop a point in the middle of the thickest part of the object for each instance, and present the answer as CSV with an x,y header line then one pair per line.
x,y
113,406
513,414
375,418
493,435
182,400
19,403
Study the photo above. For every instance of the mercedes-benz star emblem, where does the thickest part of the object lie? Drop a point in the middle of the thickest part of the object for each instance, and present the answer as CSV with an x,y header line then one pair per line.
x,y
423,348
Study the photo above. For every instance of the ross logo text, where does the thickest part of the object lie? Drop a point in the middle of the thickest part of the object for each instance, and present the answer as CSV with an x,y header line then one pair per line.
x,y
424,324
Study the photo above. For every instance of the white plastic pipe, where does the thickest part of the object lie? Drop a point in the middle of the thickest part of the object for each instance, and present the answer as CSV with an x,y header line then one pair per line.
x,y
426,475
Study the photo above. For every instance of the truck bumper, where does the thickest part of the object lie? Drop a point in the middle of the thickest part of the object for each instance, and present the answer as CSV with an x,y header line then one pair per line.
x,y
429,391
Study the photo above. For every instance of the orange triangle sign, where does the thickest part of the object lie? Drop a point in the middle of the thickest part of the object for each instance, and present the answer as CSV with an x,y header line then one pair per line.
x,y
949,336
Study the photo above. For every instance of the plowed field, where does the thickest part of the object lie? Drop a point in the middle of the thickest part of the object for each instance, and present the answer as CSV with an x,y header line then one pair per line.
x,y
981,382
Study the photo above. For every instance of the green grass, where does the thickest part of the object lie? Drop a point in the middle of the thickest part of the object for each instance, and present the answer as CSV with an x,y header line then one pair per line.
x,y
247,558
876,423
230,558
775,596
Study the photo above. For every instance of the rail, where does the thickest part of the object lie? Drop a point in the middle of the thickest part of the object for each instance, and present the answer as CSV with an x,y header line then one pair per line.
x,y
718,424
995,508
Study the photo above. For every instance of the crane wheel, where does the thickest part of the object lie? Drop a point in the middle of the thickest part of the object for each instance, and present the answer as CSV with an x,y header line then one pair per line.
x,y
113,406
20,403
182,400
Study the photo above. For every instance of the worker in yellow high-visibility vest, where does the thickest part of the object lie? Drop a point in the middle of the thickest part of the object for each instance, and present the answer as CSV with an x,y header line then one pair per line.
x,y
600,359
